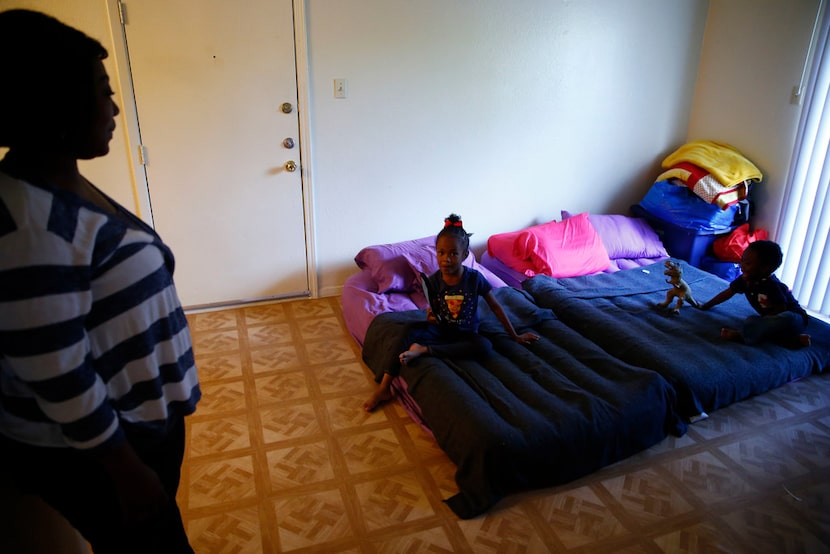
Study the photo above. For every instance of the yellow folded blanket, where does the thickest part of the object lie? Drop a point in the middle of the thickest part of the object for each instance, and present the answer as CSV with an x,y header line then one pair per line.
x,y
722,160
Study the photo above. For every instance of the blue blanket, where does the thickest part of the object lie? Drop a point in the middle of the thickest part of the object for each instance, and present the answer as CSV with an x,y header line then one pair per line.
x,y
617,312
527,416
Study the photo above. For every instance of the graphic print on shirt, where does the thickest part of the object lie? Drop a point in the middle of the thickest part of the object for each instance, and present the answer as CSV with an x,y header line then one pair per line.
x,y
458,303
763,300
454,304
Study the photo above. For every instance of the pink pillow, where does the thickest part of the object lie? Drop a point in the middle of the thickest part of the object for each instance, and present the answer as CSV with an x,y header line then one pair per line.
x,y
563,249
626,237
500,246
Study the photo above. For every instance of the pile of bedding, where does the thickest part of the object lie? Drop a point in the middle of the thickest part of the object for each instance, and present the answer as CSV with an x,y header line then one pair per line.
x,y
718,173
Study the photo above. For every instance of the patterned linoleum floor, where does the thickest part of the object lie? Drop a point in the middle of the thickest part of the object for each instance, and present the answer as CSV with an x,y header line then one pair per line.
x,y
281,458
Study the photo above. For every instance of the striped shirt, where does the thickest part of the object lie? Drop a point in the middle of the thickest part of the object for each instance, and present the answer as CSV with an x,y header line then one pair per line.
x,y
92,334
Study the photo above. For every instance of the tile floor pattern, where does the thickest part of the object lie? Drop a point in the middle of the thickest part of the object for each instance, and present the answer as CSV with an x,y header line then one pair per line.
x,y
281,458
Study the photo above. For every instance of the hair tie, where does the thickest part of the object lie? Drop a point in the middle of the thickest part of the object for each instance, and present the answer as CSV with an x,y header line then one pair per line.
x,y
448,223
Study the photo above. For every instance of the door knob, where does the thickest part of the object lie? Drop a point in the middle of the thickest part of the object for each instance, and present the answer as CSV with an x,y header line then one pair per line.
x,y
286,107
288,143
291,166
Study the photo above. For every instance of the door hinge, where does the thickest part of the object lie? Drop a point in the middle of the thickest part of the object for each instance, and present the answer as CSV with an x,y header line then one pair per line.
x,y
122,12
142,154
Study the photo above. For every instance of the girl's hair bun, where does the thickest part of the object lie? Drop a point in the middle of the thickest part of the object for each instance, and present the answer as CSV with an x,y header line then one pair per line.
x,y
453,226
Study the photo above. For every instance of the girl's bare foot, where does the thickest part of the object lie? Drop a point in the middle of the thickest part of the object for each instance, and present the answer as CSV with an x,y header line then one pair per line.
x,y
414,351
378,397
730,334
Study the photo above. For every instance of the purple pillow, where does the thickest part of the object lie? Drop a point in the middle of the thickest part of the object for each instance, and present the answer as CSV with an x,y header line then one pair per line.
x,y
395,266
626,237
389,264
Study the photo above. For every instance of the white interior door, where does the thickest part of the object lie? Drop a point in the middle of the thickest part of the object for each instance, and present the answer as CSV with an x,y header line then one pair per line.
x,y
210,79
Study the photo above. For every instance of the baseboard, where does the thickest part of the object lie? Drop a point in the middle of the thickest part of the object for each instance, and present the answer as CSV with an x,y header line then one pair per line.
x,y
331,291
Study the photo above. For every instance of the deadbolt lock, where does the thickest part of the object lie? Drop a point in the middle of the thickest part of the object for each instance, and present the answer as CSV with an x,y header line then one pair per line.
x,y
287,107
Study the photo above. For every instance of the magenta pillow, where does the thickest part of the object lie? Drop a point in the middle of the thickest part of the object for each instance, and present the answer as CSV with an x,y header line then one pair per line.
x,y
394,267
562,248
626,237
500,246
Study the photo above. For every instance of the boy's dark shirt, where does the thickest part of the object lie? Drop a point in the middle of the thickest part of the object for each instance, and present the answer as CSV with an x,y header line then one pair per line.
x,y
767,295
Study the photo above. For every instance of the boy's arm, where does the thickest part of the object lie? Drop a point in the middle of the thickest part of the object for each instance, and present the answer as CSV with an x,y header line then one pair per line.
x,y
505,321
722,296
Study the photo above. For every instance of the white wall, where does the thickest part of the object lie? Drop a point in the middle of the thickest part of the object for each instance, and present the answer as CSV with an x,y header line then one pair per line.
x,y
753,56
510,112
504,112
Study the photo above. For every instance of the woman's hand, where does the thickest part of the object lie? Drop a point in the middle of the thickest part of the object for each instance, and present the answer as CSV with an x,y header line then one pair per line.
x,y
138,488
140,493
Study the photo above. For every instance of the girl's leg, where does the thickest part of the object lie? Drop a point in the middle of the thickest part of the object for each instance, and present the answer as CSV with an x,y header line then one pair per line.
x,y
419,333
428,340
382,393
466,345
418,342
415,350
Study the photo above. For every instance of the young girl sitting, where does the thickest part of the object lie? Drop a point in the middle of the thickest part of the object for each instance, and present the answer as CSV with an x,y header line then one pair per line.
x,y
781,318
452,333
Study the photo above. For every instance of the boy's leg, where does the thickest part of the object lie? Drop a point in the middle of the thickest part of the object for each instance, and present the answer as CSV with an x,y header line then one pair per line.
x,y
781,328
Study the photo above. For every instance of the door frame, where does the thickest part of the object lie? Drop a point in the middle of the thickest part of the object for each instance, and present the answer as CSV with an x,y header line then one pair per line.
x,y
129,113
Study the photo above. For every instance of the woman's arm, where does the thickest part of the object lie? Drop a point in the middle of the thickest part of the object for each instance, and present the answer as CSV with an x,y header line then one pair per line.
x,y
139,490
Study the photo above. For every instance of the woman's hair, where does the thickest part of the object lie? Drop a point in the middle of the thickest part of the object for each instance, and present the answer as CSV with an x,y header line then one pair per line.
x,y
47,69
768,252
453,227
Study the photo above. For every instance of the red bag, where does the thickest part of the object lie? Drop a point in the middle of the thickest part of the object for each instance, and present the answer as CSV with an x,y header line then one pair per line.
x,y
731,247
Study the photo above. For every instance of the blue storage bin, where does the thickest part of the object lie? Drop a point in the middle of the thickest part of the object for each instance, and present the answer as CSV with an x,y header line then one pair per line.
x,y
684,243
725,270
681,206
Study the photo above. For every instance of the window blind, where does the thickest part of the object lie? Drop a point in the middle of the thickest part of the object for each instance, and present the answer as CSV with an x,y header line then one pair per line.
x,y
805,218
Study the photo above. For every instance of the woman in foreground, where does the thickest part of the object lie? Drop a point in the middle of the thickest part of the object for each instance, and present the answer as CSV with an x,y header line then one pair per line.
x,y
96,364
